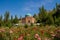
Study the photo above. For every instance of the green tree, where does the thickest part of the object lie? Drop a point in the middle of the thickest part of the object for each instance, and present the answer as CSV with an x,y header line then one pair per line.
x,y
42,14
11,19
56,15
7,21
36,17
0,20
6,16
50,16
15,19
49,20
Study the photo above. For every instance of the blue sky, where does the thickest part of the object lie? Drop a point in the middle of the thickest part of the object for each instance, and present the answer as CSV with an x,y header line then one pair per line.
x,y
22,7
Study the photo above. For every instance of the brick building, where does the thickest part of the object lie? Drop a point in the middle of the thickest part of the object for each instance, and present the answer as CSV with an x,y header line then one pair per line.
x,y
28,19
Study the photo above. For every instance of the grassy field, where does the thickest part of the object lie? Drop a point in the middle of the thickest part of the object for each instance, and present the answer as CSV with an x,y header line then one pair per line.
x,y
29,33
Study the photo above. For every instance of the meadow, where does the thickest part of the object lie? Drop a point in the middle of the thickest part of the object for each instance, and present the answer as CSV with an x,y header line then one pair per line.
x,y
30,33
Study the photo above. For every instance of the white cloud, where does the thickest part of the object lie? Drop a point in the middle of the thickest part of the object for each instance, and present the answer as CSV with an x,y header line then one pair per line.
x,y
31,5
27,9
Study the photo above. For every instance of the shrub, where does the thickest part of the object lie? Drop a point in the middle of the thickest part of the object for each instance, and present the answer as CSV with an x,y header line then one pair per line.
x,y
41,25
26,26
32,24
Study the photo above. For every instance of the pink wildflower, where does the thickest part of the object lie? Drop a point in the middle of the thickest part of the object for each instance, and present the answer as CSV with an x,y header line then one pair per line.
x,y
36,35
21,37
2,30
39,38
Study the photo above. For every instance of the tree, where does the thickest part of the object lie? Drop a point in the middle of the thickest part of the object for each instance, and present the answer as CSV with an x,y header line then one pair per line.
x,y
36,17
56,15
7,21
20,17
11,19
15,19
6,16
42,14
49,20
0,20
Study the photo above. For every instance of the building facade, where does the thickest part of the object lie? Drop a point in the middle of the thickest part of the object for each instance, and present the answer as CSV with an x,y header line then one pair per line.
x,y
28,19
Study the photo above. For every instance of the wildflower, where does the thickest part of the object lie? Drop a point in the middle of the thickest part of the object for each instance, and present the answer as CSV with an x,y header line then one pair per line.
x,y
2,30
39,38
11,31
15,38
21,37
28,34
42,31
35,28
36,35
58,34
46,38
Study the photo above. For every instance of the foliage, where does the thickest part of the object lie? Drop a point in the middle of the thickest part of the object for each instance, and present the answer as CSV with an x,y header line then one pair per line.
x,y
26,32
26,26
42,14
31,33
6,21
49,17
1,20
15,19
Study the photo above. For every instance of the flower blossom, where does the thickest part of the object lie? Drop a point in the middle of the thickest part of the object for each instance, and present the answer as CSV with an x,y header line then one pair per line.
x,y
21,37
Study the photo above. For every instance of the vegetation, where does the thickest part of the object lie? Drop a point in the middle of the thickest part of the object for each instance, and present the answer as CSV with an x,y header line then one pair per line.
x,y
48,17
30,33
45,17
49,28
7,21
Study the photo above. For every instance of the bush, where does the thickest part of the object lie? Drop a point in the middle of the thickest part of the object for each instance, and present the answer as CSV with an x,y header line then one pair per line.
x,y
32,24
26,26
41,25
